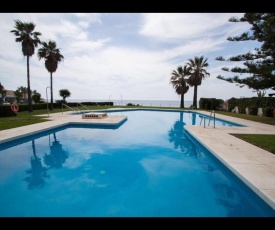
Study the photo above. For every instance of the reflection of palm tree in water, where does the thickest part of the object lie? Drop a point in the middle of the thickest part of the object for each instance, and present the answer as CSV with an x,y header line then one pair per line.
x,y
176,133
229,198
193,119
57,155
37,171
178,136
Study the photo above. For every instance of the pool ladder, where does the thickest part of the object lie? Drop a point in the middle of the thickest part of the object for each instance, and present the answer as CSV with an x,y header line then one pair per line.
x,y
212,117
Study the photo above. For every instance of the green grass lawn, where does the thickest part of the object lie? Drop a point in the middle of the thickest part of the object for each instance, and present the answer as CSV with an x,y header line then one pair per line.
x,y
266,142
265,120
263,141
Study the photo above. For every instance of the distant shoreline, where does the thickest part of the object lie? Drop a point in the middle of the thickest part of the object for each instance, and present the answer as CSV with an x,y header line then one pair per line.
x,y
160,103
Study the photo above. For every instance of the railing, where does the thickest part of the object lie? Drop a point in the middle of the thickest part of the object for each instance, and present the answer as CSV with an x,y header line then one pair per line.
x,y
211,117
74,110
84,106
214,116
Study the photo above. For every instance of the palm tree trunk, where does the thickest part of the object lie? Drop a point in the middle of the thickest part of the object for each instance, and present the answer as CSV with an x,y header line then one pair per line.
x,y
195,96
182,101
181,117
51,107
29,88
33,149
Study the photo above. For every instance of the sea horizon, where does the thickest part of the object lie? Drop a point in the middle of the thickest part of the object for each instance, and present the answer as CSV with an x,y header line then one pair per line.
x,y
123,102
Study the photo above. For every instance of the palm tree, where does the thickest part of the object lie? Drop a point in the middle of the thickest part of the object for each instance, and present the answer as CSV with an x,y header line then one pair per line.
x,y
197,71
64,93
178,80
29,39
52,57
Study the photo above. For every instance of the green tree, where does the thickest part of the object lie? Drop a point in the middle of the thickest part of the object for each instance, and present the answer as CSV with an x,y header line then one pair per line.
x,y
36,96
23,90
2,92
20,93
178,81
52,57
64,93
25,34
197,68
259,64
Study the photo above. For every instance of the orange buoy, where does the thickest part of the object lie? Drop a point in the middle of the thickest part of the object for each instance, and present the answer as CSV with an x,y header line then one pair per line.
x,y
14,107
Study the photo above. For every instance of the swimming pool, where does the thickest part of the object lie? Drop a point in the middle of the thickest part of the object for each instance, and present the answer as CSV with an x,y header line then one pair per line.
x,y
188,117
148,166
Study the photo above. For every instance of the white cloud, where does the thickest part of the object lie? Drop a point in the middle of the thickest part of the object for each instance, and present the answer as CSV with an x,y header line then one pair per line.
x,y
98,60
183,26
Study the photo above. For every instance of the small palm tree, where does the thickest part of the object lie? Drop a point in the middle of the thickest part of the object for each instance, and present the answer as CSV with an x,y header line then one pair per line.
x,y
178,80
64,93
52,57
196,67
25,34
20,94
23,91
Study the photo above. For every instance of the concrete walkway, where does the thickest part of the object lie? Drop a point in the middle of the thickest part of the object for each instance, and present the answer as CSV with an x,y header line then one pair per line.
x,y
253,165
56,120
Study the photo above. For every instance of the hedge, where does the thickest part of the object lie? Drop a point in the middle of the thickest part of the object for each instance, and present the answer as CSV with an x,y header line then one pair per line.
x,y
253,103
5,110
210,103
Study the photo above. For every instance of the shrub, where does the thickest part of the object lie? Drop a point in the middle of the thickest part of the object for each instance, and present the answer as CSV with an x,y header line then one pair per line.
x,y
5,111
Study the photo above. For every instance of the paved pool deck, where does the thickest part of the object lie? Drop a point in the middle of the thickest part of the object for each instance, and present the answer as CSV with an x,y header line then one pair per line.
x,y
253,165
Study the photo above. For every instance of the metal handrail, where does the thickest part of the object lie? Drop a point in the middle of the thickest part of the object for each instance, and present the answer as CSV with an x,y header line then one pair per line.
x,y
74,110
213,111
84,106
213,117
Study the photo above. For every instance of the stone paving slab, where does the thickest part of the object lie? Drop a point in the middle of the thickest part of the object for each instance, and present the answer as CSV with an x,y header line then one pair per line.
x,y
56,120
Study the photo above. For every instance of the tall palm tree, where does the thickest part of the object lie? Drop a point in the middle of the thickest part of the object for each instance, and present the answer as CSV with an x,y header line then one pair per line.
x,y
197,67
52,57
179,82
24,32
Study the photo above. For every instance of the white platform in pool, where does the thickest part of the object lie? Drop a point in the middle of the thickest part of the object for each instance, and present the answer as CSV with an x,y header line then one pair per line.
x,y
94,115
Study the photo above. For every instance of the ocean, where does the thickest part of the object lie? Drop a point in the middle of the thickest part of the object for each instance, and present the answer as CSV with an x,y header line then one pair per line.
x,y
159,103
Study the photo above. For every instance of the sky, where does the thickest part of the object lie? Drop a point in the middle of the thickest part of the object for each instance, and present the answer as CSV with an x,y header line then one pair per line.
x,y
127,56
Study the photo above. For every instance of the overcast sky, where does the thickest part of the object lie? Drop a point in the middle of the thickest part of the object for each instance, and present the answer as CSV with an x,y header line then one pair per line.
x,y
124,55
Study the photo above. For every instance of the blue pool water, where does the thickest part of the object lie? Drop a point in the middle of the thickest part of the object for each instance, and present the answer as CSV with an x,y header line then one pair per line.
x,y
188,117
148,166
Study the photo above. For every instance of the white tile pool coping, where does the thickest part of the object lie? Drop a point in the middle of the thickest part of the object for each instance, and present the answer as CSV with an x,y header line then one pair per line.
x,y
253,165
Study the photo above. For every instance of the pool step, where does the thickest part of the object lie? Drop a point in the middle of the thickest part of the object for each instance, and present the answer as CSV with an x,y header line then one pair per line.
x,y
94,115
